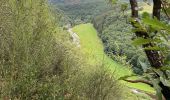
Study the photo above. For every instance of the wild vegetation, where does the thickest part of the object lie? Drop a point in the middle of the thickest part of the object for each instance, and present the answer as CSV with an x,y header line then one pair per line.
x,y
114,30
92,47
153,35
83,11
39,58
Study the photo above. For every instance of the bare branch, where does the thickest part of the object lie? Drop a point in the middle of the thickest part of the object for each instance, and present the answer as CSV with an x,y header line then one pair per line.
x,y
139,81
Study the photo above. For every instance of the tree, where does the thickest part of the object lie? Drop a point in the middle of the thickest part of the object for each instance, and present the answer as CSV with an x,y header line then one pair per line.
x,y
153,35
154,56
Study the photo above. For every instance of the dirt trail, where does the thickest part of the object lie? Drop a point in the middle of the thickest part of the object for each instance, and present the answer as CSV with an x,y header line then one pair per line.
x,y
75,37
136,91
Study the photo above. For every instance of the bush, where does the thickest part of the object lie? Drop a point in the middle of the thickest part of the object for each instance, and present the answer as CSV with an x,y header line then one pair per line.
x,y
96,84
103,86
27,47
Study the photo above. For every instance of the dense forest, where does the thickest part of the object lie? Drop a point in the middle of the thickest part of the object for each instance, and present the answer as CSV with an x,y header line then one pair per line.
x,y
84,49
82,11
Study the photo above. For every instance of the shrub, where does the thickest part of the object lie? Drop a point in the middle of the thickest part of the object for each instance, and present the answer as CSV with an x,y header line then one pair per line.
x,y
98,83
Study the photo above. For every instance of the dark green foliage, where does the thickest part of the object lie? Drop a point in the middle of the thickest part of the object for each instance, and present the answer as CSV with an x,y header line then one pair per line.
x,y
114,31
159,77
84,11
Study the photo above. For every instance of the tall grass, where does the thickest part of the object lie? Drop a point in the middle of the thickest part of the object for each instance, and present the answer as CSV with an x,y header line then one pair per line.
x,y
38,61
27,47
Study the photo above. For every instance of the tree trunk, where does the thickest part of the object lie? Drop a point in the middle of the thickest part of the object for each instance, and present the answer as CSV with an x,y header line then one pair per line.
x,y
157,9
156,14
153,56
134,8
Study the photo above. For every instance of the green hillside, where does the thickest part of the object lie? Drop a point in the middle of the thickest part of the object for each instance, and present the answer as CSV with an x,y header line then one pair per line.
x,y
93,48
83,12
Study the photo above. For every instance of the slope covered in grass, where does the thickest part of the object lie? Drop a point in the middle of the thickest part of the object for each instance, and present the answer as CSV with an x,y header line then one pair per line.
x,y
93,48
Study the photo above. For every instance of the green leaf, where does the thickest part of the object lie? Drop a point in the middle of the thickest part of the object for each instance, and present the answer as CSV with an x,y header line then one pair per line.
x,y
140,41
159,94
159,72
156,24
144,65
165,82
165,68
156,48
167,59
164,36
145,15
158,89
126,76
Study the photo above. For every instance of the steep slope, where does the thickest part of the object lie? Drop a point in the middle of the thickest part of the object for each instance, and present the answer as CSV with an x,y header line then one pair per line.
x,y
93,48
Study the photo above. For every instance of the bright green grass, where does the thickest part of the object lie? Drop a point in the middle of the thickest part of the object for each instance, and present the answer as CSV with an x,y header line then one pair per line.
x,y
93,48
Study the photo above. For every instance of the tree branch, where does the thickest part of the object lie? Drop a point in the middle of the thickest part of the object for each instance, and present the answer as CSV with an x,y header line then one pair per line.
x,y
139,81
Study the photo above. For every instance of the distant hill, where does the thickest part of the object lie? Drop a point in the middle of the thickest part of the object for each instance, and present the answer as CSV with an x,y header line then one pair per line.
x,y
137,0
81,11
67,2
72,2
